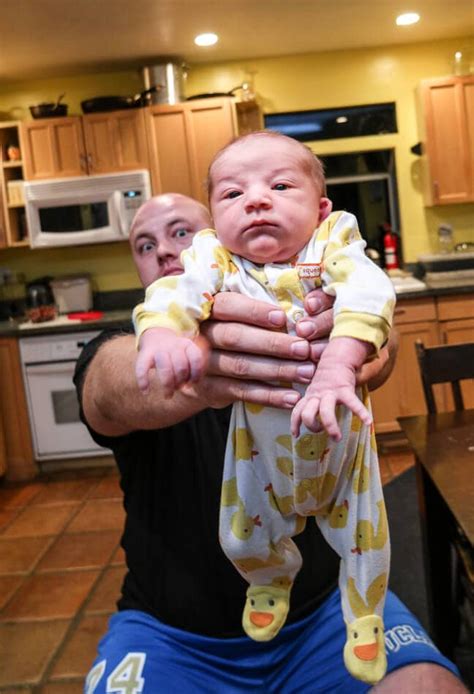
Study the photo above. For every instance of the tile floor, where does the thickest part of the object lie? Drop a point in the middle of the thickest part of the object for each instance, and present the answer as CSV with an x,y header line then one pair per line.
x,y
61,569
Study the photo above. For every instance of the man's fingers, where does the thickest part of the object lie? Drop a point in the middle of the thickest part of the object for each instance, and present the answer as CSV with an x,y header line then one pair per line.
x,y
220,391
253,367
317,301
318,326
229,306
237,337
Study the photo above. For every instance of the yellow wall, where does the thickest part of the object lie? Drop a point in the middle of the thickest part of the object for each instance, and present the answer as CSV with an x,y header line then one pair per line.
x,y
287,83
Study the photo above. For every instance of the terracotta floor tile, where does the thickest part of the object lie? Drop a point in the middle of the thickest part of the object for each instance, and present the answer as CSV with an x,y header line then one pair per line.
x,y
62,688
49,596
20,554
64,490
18,495
107,592
107,488
80,648
118,557
80,551
35,521
8,585
98,514
6,517
399,462
26,649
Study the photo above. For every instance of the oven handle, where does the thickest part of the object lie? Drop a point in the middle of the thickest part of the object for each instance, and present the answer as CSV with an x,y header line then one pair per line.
x,y
51,368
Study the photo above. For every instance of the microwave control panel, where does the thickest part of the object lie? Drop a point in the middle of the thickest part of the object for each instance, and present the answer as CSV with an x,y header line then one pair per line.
x,y
132,201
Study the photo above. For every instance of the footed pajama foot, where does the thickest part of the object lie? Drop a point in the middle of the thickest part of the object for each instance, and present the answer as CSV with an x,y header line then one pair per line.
x,y
364,652
265,611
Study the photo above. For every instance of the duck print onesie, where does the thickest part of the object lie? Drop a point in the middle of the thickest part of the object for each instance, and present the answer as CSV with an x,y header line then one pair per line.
x,y
273,481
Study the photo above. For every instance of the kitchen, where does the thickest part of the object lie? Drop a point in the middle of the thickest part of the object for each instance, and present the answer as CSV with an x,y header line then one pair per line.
x,y
283,84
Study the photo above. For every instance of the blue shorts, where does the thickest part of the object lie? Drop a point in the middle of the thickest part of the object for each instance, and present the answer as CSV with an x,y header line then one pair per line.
x,y
141,653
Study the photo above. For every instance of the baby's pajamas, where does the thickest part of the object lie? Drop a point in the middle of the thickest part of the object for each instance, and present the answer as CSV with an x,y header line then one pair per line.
x,y
273,481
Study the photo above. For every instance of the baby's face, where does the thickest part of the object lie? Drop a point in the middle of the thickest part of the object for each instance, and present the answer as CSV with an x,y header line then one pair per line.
x,y
264,203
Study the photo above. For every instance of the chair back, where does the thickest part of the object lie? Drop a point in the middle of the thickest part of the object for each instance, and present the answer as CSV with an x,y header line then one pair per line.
x,y
445,364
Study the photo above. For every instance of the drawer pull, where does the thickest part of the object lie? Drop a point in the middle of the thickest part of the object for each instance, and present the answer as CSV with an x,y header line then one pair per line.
x,y
400,311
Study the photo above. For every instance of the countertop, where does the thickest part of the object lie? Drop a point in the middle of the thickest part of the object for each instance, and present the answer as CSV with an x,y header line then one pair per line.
x,y
120,318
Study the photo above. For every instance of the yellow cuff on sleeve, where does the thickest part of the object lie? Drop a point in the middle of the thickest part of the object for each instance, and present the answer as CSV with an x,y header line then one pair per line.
x,y
362,326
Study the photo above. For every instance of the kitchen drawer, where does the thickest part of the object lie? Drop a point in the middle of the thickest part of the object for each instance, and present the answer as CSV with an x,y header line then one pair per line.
x,y
455,307
414,310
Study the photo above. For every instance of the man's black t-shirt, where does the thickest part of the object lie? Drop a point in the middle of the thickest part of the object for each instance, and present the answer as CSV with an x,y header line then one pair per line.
x,y
177,572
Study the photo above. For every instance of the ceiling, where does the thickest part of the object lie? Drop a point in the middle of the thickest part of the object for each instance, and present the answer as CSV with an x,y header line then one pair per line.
x,y
43,38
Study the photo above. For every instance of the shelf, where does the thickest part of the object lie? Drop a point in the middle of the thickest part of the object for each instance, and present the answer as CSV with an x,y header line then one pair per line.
x,y
13,205
12,164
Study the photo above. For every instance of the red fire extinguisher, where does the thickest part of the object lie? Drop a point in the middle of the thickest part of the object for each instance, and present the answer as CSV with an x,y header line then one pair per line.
x,y
390,248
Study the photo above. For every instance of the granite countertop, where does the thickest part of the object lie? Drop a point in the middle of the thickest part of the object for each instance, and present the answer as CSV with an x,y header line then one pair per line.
x,y
121,318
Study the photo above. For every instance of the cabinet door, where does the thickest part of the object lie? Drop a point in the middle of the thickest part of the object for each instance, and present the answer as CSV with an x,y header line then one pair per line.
x,y
170,163
212,123
53,148
115,141
14,414
448,105
402,395
453,332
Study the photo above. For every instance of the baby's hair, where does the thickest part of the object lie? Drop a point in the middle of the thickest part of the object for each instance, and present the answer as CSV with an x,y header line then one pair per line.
x,y
313,165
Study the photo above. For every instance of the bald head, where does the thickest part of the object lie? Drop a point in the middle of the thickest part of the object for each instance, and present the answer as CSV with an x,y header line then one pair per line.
x,y
163,227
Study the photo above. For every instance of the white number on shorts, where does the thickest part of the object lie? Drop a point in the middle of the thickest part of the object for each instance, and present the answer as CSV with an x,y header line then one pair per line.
x,y
94,677
126,678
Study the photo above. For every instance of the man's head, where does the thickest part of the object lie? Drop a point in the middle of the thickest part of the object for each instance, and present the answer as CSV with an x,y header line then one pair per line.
x,y
266,194
162,228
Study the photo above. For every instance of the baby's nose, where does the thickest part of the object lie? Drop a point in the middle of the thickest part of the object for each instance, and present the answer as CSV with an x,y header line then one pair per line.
x,y
258,197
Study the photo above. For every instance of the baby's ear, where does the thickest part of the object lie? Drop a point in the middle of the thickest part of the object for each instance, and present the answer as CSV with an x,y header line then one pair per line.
x,y
325,209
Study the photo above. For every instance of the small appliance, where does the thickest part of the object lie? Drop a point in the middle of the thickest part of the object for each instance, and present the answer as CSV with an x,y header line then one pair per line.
x,y
84,209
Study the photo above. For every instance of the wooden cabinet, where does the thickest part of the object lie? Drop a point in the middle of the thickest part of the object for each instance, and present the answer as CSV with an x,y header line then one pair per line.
x,y
13,231
183,138
20,464
447,124
456,324
402,394
81,145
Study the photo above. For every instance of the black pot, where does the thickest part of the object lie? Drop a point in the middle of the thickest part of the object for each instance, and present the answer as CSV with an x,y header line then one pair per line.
x,y
48,110
100,104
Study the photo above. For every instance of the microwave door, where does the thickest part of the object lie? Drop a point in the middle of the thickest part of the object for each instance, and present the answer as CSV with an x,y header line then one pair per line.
x,y
71,222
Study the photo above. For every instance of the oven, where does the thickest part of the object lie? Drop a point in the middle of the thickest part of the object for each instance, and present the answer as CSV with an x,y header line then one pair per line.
x,y
48,363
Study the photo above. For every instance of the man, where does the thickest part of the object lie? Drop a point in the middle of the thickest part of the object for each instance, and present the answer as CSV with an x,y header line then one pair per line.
x,y
178,625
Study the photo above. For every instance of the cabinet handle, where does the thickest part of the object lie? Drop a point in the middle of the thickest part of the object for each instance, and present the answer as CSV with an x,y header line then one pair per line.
x,y
89,161
400,311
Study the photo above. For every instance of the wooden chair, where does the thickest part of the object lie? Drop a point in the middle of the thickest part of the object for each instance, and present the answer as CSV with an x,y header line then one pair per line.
x,y
445,364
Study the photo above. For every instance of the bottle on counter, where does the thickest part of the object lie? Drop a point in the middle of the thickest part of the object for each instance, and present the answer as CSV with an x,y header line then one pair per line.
x,y
390,247
445,238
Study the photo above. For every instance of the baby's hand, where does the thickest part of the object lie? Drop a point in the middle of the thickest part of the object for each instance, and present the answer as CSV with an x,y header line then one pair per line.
x,y
332,384
177,360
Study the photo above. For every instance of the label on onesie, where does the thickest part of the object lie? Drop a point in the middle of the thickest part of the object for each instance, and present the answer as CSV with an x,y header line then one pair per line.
x,y
309,271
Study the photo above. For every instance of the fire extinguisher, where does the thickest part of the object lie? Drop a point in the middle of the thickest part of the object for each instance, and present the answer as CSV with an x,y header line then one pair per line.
x,y
390,247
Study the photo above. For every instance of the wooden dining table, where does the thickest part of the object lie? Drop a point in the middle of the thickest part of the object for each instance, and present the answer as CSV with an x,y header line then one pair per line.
x,y
444,451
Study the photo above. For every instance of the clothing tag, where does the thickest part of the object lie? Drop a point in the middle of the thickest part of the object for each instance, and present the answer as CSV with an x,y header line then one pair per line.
x,y
309,271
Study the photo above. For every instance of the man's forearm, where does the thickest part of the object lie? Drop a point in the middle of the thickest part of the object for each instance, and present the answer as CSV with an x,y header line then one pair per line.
x,y
114,405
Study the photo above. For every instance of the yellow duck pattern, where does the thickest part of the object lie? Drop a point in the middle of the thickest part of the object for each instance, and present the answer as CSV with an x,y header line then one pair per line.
x,y
272,482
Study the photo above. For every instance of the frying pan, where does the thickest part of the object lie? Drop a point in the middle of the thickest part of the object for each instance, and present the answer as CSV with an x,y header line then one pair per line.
x,y
49,110
116,103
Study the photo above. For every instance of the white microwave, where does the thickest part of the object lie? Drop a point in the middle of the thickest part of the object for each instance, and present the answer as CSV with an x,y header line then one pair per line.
x,y
84,209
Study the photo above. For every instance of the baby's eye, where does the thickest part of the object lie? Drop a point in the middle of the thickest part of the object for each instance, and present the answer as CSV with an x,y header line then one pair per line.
x,y
181,233
280,186
233,194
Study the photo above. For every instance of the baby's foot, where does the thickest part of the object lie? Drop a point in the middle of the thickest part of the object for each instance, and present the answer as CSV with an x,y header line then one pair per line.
x,y
364,652
265,611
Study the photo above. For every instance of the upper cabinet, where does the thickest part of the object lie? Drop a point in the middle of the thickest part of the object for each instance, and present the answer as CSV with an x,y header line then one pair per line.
x,y
13,230
447,123
81,145
183,139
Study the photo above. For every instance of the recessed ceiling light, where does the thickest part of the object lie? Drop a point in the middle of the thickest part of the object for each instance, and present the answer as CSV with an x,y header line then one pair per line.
x,y
404,20
206,39
342,119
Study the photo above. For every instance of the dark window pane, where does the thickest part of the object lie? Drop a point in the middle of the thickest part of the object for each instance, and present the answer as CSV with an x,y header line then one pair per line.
x,y
330,124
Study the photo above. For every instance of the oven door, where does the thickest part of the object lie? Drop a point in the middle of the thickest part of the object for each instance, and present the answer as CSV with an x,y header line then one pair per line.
x,y
54,413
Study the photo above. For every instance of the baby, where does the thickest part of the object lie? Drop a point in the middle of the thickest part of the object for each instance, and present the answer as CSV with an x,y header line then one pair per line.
x,y
276,239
